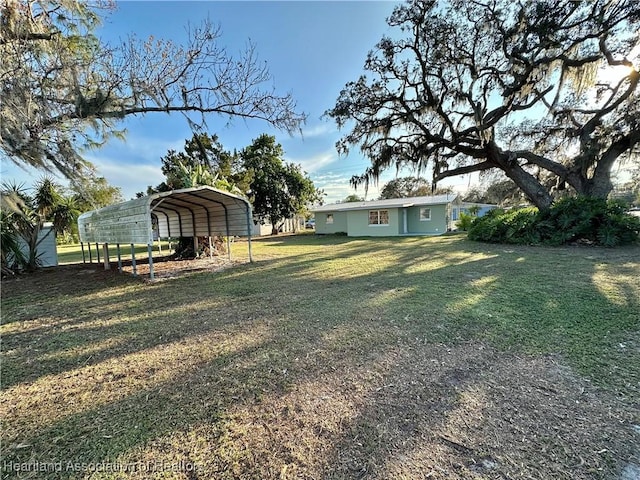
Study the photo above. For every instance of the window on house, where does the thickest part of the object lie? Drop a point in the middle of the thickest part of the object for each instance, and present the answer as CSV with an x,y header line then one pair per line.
x,y
425,214
329,218
378,217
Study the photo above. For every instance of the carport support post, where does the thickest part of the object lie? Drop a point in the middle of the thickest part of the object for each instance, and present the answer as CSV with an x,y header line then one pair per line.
x,y
150,252
119,258
249,230
226,224
105,251
210,248
89,250
133,260
98,252
82,248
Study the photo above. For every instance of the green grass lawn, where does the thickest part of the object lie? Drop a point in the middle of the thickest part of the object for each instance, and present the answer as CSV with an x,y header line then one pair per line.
x,y
73,253
330,357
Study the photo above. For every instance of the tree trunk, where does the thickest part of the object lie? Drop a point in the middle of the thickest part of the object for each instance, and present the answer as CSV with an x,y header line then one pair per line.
x,y
599,186
184,248
274,226
535,192
530,186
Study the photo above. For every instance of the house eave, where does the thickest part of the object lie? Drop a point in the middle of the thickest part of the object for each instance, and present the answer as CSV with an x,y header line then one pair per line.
x,y
384,204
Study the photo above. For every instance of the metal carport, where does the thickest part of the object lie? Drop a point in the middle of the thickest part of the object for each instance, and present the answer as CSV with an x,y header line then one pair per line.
x,y
190,212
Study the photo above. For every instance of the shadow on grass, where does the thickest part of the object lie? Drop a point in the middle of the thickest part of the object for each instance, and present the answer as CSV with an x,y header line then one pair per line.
x,y
74,307
467,286
356,316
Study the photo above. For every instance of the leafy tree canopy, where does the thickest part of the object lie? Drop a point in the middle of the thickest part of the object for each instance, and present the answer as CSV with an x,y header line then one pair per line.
x,y
202,149
65,90
204,161
278,189
353,198
513,86
92,191
410,187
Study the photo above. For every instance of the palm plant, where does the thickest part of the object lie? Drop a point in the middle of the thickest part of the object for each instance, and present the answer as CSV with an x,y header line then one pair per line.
x,y
65,215
23,218
21,226
46,197
12,256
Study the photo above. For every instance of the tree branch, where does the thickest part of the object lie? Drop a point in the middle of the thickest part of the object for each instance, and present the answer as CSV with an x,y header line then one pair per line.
x,y
476,167
539,160
617,148
28,37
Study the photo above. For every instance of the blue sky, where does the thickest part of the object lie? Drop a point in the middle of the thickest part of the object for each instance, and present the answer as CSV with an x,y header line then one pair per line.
x,y
312,50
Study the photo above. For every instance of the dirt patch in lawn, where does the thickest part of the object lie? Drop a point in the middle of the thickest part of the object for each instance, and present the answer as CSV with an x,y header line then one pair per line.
x,y
167,267
422,411
163,267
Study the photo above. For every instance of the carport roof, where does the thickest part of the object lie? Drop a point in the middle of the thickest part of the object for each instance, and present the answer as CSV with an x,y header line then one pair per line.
x,y
199,211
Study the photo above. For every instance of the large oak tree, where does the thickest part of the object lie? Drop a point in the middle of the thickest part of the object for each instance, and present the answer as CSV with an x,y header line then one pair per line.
x,y
64,89
524,87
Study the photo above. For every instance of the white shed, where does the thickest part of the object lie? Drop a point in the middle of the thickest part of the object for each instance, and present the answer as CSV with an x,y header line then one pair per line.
x,y
46,248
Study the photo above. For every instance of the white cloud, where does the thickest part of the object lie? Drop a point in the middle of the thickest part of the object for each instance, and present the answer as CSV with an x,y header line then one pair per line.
x,y
325,180
150,149
316,162
27,176
336,192
124,168
130,177
133,164
330,176
336,186
318,130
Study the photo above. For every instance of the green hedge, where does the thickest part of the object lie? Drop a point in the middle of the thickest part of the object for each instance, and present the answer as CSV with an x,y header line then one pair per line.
x,y
573,219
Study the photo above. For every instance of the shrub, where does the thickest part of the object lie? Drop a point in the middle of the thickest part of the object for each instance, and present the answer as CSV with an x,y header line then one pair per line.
x,y
485,228
512,226
465,220
573,219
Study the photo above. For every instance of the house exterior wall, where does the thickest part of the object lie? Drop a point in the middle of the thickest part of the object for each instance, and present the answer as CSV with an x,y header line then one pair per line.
x,y
339,224
358,221
484,210
437,225
403,217
464,208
